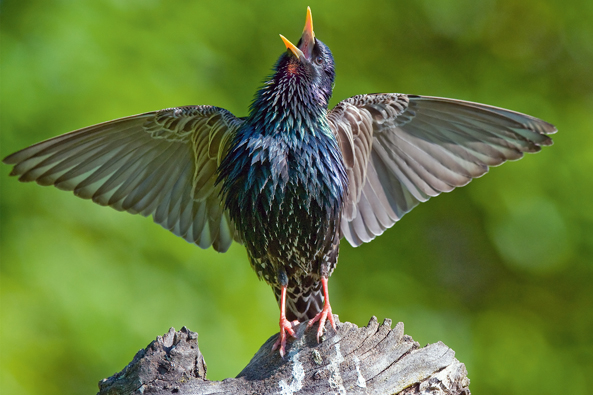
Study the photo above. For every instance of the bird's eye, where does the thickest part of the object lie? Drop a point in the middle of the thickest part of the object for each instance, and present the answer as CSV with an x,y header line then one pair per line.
x,y
319,60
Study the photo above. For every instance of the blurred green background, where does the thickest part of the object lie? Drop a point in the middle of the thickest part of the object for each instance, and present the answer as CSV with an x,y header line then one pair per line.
x,y
501,270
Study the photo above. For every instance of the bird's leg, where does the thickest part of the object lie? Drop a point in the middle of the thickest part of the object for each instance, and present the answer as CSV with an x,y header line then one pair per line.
x,y
285,325
325,313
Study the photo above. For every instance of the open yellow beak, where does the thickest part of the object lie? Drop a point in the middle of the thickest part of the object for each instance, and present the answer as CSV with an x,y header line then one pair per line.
x,y
307,41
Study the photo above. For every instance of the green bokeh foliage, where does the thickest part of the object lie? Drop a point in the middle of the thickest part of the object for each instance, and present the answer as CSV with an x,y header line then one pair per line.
x,y
500,270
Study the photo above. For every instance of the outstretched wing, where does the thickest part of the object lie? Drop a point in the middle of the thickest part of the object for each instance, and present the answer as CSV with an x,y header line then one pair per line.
x,y
400,150
159,163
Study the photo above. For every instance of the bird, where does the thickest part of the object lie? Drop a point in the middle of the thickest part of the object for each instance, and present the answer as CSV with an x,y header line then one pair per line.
x,y
293,178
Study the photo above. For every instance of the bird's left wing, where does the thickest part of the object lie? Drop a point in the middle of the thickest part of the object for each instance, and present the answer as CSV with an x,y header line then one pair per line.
x,y
400,150
160,163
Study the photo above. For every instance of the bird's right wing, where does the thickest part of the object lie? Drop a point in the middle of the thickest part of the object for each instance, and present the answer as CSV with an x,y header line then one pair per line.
x,y
400,150
160,163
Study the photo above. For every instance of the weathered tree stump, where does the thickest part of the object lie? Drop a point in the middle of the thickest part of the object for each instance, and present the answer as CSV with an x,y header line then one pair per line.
x,y
371,360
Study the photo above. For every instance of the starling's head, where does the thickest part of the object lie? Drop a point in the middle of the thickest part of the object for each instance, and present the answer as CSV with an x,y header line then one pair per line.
x,y
309,62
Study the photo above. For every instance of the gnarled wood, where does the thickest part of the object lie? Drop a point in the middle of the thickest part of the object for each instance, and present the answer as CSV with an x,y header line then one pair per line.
x,y
371,360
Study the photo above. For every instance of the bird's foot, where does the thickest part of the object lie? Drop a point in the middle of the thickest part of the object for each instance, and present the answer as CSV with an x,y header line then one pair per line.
x,y
322,316
285,326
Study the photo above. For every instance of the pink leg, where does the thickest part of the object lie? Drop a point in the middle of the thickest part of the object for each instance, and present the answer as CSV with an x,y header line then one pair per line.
x,y
285,325
325,313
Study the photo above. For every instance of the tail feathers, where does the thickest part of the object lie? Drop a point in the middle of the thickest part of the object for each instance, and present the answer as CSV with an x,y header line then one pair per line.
x,y
302,303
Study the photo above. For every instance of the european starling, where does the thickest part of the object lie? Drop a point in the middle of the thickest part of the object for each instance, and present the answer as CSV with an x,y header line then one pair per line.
x,y
291,179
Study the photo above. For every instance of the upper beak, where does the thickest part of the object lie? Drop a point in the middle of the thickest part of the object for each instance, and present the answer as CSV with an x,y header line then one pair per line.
x,y
307,42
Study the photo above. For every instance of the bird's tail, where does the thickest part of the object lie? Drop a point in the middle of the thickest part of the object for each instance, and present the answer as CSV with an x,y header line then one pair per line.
x,y
302,302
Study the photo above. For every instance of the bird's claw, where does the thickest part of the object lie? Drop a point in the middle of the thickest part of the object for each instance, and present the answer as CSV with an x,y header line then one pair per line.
x,y
285,326
322,316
